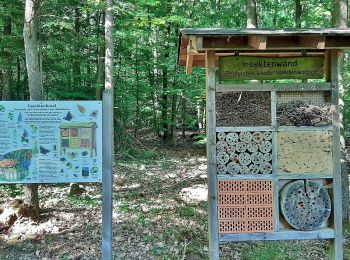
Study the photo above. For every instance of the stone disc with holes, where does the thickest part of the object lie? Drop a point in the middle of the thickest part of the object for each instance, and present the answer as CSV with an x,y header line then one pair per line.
x,y
231,149
244,169
257,157
258,137
241,147
245,159
245,137
267,136
222,158
265,168
221,145
232,138
253,169
233,168
222,169
305,206
234,158
221,136
265,146
267,157
252,147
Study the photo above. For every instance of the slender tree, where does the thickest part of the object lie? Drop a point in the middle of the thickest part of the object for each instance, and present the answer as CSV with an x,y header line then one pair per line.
x,y
36,92
339,19
252,20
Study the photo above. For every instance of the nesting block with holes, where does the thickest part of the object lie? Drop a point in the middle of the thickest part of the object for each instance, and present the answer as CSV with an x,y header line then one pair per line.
x,y
243,109
305,205
305,152
244,153
245,206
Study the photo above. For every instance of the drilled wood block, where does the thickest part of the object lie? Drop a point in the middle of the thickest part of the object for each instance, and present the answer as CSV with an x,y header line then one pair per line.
x,y
305,152
245,206
305,205
243,109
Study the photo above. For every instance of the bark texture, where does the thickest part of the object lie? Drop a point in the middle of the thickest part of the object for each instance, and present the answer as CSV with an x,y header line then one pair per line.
x,y
31,47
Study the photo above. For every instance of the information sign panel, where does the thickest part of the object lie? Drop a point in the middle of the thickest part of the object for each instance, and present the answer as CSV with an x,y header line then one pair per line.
x,y
50,141
247,68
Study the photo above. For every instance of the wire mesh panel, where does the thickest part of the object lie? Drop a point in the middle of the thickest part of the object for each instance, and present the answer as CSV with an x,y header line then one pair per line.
x,y
304,108
245,206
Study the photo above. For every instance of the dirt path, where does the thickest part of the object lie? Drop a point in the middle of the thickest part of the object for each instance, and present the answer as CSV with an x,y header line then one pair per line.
x,y
160,212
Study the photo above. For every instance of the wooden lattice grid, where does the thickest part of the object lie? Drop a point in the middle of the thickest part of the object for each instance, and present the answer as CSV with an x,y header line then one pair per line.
x,y
309,97
245,206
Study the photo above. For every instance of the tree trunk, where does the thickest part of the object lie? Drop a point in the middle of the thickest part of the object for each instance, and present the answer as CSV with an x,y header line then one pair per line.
x,y
339,19
100,61
298,11
109,45
76,60
6,88
164,103
183,115
36,92
252,21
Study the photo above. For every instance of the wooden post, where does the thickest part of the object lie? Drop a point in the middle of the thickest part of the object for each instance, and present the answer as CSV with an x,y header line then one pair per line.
x,y
211,156
107,175
336,247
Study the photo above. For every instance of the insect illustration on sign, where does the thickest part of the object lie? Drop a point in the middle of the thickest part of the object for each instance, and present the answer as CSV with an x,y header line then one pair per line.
x,y
24,138
94,113
44,150
19,118
81,109
68,117
2,108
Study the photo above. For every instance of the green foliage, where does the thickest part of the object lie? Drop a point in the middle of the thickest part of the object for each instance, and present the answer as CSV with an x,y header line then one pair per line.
x,y
271,251
85,201
12,190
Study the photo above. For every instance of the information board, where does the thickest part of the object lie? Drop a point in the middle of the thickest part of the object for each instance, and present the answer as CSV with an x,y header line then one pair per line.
x,y
50,141
247,68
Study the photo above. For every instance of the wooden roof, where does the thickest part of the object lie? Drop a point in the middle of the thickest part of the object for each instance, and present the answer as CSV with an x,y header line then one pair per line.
x,y
257,42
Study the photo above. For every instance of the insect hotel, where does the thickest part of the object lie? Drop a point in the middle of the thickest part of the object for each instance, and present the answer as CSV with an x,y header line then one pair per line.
x,y
273,132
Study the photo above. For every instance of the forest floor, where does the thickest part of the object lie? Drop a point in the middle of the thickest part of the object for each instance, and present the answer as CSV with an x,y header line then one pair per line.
x,y
160,212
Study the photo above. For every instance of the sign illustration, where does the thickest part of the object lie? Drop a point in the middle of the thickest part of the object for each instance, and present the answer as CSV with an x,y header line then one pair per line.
x,y
50,141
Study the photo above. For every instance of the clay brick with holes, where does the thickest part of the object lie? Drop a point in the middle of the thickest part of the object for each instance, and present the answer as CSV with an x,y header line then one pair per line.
x,y
245,206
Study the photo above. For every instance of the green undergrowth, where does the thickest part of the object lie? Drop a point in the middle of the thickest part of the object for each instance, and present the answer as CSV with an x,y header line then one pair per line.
x,y
272,250
84,200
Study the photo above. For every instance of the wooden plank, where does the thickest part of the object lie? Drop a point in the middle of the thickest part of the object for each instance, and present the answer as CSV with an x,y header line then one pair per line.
x,y
248,68
317,42
282,234
211,156
257,42
290,176
244,129
246,177
336,247
303,128
267,32
280,87
274,157
189,63
107,176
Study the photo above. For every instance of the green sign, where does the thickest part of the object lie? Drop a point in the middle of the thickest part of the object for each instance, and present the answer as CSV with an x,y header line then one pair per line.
x,y
245,68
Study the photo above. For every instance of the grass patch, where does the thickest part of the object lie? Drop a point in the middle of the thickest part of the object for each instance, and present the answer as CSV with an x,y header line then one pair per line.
x,y
86,201
271,251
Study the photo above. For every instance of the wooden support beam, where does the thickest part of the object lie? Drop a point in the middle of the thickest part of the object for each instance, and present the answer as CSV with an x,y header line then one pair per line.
x,y
257,42
312,42
211,156
189,63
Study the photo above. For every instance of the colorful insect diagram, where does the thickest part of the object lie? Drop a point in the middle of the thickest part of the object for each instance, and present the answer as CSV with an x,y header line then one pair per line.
x,y
50,142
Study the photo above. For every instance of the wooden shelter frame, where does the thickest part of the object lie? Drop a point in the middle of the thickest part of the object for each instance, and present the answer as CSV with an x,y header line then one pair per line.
x,y
202,48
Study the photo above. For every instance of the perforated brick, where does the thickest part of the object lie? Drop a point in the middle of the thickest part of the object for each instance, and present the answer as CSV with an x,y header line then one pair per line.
x,y
245,206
